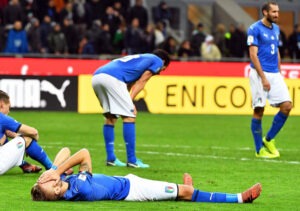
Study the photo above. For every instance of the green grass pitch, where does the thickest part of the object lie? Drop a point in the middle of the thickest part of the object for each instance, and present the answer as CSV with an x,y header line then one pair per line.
x,y
217,151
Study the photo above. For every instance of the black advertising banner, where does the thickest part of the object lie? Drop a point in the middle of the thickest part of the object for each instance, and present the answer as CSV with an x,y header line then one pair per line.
x,y
48,93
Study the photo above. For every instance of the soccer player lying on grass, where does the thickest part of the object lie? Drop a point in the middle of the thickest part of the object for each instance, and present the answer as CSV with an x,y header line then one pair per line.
x,y
86,186
24,140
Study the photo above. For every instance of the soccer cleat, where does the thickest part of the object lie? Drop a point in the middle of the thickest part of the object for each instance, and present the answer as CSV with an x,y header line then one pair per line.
x,y
252,193
116,162
263,153
138,164
270,145
187,179
30,168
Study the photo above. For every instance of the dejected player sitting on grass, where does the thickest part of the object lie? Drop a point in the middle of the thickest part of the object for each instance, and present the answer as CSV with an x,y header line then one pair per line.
x,y
86,186
24,140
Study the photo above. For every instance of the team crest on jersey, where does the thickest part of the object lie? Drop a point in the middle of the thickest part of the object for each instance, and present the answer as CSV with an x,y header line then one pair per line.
x,y
19,144
169,189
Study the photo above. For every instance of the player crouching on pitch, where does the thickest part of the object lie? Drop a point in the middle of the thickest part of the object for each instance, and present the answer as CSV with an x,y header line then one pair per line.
x,y
86,186
24,140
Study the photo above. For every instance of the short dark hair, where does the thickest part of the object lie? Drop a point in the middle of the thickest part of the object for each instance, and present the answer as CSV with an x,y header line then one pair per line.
x,y
267,5
37,194
163,55
4,97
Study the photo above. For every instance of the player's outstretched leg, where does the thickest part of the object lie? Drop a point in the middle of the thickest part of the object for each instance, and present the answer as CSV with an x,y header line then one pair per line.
x,y
252,193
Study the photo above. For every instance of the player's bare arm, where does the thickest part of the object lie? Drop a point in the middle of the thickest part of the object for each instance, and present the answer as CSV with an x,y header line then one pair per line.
x,y
253,50
10,134
31,132
279,61
2,140
140,84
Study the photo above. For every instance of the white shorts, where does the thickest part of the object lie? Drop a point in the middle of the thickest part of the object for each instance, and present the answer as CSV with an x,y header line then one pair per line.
x,y
12,154
278,93
150,190
113,95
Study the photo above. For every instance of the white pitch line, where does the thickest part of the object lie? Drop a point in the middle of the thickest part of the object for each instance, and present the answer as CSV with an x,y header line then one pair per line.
x,y
191,155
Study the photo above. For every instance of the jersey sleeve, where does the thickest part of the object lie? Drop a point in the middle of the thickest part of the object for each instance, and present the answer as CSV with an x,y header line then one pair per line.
x,y
252,36
8,123
156,66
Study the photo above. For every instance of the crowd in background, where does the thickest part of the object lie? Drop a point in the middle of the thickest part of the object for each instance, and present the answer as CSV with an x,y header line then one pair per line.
x,y
117,27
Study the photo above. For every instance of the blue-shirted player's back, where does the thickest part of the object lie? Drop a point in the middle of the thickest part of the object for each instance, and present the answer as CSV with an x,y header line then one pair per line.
x,y
130,68
267,40
87,187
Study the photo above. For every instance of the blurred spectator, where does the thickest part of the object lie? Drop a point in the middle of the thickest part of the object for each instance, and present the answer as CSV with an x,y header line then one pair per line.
x,y
228,39
117,6
66,12
11,13
134,38
118,39
71,35
162,13
239,42
57,41
197,38
282,44
3,36
86,46
149,39
17,39
82,15
45,29
34,36
97,9
209,50
104,41
185,50
112,18
220,39
52,11
159,33
170,46
294,43
94,32
140,12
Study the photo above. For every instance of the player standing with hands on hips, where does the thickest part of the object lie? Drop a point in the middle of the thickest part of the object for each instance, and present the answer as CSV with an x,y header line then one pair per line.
x,y
116,84
266,81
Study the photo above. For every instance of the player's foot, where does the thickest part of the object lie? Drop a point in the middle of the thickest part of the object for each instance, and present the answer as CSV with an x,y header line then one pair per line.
x,y
116,162
252,193
30,168
138,164
187,179
270,145
264,153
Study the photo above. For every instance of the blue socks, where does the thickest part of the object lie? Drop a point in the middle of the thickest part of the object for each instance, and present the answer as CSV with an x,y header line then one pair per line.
x,y
278,122
201,196
129,137
109,138
257,133
36,152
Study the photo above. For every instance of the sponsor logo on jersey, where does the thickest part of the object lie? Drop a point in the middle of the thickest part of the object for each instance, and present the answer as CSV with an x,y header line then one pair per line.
x,y
169,189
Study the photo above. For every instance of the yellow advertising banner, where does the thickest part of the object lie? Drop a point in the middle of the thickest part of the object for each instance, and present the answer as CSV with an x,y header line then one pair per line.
x,y
191,95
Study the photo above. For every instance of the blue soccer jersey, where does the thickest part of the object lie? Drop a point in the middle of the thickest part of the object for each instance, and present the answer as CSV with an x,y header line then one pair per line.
x,y
267,40
8,123
130,68
87,187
